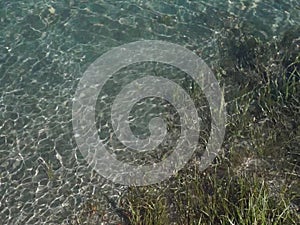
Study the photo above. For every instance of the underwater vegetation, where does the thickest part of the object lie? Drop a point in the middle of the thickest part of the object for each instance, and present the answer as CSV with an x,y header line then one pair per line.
x,y
256,178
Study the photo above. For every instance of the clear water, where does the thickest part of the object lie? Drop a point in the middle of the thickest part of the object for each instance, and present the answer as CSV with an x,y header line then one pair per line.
x,y
45,46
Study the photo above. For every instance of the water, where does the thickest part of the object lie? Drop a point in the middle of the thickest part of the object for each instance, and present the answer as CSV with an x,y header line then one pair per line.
x,y
45,47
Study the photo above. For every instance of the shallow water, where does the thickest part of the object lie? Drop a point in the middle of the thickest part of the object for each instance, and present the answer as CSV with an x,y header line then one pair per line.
x,y
45,47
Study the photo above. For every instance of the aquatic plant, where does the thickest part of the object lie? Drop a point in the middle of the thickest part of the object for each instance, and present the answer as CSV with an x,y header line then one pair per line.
x,y
256,179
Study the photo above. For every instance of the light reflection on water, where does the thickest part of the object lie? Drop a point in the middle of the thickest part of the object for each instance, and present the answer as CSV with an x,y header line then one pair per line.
x,y
45,47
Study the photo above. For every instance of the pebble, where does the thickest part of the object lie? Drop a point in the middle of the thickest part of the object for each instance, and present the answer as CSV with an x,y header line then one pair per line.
x,y
51,10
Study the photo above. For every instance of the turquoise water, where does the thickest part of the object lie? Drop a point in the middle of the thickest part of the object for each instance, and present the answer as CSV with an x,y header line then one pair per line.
x,y
45,47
